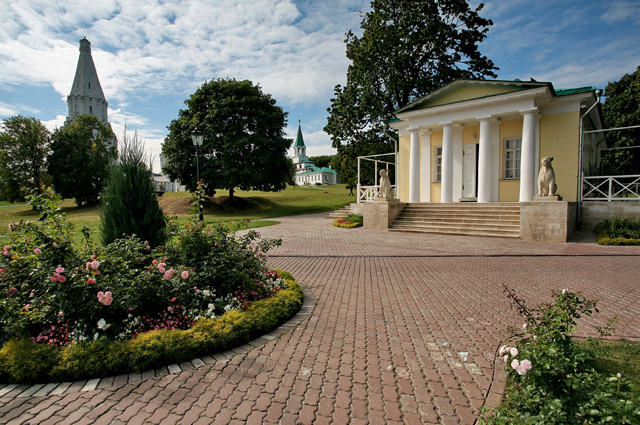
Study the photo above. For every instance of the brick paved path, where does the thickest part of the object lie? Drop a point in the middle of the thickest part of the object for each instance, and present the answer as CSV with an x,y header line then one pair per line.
x,y
404,330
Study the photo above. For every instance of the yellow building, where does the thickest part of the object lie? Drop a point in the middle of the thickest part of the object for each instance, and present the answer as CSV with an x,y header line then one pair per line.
x,y
483,140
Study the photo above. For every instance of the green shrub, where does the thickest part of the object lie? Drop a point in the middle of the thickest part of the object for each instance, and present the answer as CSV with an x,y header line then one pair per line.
x,y
22,361
130,205
551,380
618,227
603,240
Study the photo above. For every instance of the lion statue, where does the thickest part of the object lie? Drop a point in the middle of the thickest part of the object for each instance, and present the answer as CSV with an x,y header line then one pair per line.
x,y
547,178
386,191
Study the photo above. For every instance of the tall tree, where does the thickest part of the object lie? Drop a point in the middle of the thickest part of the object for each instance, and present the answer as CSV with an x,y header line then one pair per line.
x,y
129,203
407,50
24,146
81,154
321,160
244,144
622,109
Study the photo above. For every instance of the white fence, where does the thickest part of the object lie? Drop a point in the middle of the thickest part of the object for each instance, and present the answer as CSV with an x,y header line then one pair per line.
x,y
369,193
611,188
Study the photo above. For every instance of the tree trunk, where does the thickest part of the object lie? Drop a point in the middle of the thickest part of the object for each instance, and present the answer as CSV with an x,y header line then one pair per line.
x,y
231,196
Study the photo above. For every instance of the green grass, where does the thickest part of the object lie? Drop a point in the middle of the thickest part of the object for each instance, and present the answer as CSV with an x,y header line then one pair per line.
x,y
614,357
252,205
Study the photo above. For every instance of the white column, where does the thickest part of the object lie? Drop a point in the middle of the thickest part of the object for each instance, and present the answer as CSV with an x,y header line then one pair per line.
x,y
528,164
425,183
495,160
458,156
484,161
446,187
414,166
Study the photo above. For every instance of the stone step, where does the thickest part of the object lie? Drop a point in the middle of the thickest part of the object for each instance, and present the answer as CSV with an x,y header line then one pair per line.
x,y
461,220
459,226
494,234
341,213
447,214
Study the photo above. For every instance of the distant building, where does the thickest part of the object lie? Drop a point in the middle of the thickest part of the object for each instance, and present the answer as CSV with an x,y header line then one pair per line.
x,y
86,95
306,170
163,184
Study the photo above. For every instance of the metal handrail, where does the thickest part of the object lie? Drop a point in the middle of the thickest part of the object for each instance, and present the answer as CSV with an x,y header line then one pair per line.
x,y
611,188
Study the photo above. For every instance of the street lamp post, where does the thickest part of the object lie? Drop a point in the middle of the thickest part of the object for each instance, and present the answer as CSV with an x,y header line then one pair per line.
x,y
198,137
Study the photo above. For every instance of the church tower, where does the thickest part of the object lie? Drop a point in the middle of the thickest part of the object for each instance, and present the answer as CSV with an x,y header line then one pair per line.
x,y
300,160
86,95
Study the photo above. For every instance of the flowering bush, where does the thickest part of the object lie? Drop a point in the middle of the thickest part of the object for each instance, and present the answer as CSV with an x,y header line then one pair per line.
x,y
57,293
550,379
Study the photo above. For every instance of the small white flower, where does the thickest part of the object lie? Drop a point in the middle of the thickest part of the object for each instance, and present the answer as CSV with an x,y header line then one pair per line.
x,y
524,326
514,351
211,306
503,350
227,307
206,292
619,375
564,291
103,325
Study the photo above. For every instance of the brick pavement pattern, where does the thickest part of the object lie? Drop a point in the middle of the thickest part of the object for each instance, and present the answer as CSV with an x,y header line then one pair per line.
x,y
404,330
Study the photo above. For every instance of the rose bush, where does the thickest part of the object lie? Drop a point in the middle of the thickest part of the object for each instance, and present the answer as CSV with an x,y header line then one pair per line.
x,y
550,379
56,293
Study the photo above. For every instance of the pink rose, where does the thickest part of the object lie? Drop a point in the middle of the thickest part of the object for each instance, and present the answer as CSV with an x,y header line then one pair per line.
x,y
91,280
524,367
161,269
95,265
37,251
105,298
13,291
7,248
184,274
515,363
167,275
7,253
148,247
55,245
60,270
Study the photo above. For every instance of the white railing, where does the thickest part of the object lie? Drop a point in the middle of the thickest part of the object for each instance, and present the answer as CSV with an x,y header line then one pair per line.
x,y
611,188
370,193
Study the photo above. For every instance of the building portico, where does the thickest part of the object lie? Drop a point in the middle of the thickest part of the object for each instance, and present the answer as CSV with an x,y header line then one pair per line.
x,y
481,141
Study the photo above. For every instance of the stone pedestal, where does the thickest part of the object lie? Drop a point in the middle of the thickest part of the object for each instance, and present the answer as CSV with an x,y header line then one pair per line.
x,y
547,221
379,214
547,198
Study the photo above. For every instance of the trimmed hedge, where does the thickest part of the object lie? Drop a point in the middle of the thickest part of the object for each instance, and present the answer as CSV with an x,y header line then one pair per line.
x,y
603,240
22,361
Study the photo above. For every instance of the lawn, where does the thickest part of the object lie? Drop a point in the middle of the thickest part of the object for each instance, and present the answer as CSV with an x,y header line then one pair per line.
x,y
252,205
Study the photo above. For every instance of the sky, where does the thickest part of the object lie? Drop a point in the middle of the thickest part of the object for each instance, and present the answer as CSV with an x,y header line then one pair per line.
x,y
151,55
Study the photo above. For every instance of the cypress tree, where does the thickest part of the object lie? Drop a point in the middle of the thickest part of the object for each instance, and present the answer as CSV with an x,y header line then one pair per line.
x,y
130,205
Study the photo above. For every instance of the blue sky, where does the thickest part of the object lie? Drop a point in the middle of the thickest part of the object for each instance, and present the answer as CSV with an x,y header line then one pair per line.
x,y
151,54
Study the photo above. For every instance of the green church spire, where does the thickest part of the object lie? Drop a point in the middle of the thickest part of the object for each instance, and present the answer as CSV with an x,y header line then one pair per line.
x,y
299,140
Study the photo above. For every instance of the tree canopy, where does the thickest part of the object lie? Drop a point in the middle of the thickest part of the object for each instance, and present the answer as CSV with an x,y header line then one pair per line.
x,y
407,50
24,146
244,144
81,154
622,109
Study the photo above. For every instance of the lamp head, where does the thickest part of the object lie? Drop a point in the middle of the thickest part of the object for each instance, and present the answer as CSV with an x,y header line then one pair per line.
x,y
197,137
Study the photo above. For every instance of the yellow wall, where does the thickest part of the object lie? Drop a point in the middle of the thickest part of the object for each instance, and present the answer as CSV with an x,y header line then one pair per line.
x,y
508,189
403,168
560,138
466,93
436,140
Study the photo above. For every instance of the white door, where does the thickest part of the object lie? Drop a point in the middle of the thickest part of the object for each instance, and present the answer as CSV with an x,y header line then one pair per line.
x,y
469,167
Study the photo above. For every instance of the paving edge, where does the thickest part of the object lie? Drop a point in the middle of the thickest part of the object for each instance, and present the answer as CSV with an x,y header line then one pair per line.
x,y
10,391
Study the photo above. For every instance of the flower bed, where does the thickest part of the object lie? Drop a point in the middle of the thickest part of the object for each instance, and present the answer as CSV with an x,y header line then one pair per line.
x,y
350,221
618,231
69,312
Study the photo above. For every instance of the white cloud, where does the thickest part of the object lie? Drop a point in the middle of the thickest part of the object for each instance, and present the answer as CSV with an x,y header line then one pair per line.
x,y
621,11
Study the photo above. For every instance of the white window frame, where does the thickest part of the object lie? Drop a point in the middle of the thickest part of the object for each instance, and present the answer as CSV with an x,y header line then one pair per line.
x,y
516,171
437,158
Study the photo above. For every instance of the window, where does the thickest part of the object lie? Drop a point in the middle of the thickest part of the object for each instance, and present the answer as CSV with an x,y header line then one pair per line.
x,y
91,109
512,155
89,85
437,164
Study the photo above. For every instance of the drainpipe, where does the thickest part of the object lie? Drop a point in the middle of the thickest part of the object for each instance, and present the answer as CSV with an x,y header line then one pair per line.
x,y
580,160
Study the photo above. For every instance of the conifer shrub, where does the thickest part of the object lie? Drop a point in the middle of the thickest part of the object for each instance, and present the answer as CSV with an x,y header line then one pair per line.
x,y
130,205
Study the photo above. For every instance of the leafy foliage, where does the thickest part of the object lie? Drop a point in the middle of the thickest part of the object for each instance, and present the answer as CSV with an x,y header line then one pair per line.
x,y
322,160
130,204
24,146
81,154
56,293
551,380
619,227
350,221
622,109
408,49
244,145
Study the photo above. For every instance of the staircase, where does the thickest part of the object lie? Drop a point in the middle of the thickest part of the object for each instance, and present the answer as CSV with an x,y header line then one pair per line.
x,y
341,213
497,219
